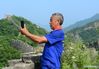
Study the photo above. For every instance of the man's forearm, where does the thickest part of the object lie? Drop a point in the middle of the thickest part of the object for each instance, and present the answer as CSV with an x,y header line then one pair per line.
x,y
38,39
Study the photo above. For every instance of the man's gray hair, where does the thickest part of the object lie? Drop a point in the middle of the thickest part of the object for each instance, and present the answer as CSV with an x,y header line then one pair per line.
x,y
59,16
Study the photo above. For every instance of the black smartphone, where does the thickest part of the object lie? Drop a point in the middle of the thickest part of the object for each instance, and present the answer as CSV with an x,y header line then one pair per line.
x,y
22,24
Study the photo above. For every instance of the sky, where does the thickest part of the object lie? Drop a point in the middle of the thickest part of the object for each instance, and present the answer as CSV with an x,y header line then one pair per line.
x,y
39,11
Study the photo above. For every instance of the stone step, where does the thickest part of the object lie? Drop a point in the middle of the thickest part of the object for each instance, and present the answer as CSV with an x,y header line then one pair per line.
x,y
24,66
13,62
21,66
11,67
26,58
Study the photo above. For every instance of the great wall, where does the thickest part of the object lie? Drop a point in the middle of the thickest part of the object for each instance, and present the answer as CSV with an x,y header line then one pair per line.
x,y
29,59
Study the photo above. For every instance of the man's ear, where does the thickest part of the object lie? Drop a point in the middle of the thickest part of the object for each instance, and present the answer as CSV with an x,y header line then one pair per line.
x,y
58,22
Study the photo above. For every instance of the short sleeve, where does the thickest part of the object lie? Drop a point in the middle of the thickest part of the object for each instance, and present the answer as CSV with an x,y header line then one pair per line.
x,y
55,36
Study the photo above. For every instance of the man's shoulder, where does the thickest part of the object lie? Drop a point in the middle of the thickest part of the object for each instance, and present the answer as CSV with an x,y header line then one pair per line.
x,y
56,33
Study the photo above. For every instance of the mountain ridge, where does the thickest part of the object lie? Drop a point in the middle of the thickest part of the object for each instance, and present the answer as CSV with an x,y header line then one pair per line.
x,y
82,22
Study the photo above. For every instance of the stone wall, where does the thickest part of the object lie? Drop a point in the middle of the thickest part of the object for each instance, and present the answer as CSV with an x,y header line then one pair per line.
x,y
27,61
30,56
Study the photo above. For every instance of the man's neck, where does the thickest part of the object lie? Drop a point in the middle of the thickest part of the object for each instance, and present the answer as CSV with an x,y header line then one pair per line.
x,y
58,28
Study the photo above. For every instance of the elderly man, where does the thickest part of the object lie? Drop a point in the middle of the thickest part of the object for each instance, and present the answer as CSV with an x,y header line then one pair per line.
x,y
54,42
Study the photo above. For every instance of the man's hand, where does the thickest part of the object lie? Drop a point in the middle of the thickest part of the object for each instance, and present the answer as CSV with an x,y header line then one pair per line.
x,y
24,31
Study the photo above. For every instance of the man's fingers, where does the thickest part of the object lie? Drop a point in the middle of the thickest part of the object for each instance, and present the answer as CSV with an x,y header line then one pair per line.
x,y
21,30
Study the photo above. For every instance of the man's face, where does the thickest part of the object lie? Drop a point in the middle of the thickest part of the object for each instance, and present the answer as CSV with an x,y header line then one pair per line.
x,y
53,22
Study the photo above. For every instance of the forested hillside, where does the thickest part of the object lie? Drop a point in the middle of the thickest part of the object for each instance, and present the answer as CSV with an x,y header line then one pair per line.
x,y
87,30
8,32
88,33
